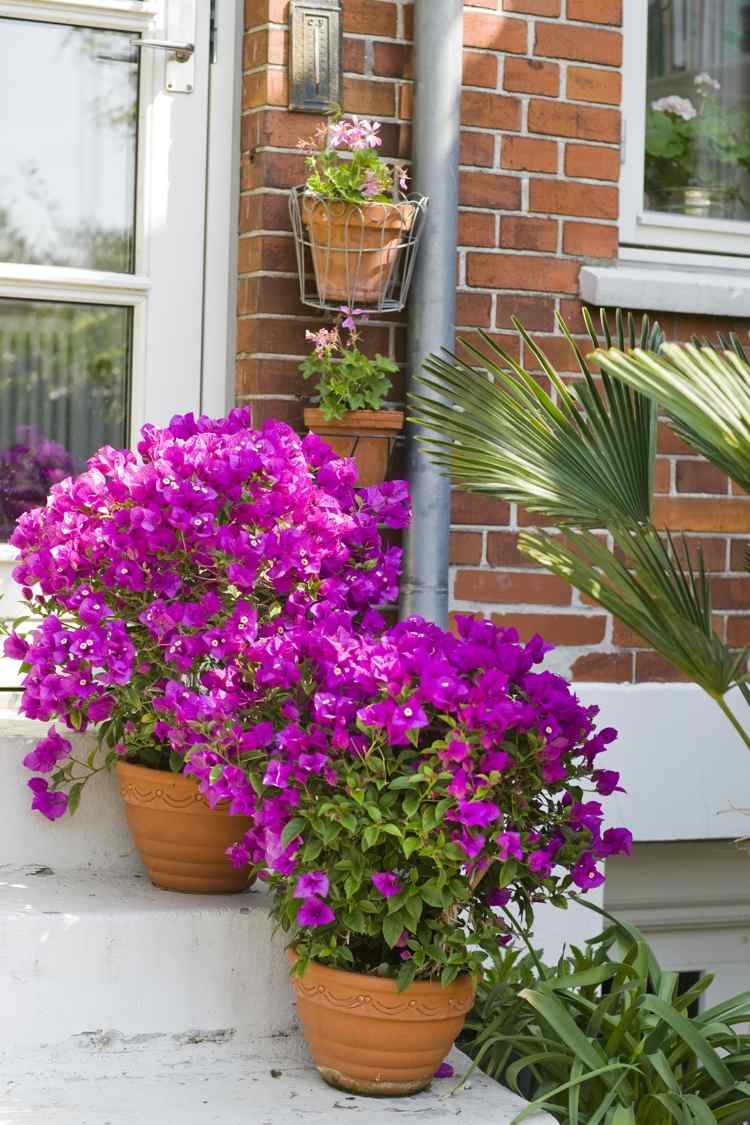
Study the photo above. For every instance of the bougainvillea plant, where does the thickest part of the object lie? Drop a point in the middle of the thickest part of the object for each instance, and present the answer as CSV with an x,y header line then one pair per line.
x,y
347,378
343,163
155,575
414,796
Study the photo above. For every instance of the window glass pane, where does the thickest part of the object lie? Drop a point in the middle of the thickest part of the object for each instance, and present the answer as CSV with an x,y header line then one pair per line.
x,y
69,98
698,108
64,389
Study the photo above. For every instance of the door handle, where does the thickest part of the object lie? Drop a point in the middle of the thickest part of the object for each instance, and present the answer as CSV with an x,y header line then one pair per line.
x,y
182,52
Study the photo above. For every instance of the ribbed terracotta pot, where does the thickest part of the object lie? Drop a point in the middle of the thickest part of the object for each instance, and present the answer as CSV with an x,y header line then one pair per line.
x,y
365,435
181,841
355,247
367,1038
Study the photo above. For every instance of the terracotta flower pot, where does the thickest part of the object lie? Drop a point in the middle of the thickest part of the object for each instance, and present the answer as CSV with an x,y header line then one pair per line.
x,y
180,839
365,435
368,1038
355,246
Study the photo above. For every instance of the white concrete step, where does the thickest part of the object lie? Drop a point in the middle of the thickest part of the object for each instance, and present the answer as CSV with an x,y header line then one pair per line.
x,y
79,952
107,1080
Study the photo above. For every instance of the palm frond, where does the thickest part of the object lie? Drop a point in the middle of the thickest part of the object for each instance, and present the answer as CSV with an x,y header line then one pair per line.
x,y
705,393
583,454
646,585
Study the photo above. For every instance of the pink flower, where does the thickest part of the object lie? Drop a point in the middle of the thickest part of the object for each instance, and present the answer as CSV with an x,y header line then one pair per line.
x,y
48,803
370,187
47,753
315,912
387,883
445,1070
349,322
677,106
313,883
509,845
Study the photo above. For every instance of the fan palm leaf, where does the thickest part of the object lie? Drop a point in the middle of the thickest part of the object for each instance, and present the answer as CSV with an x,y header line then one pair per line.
x,y
705,393
582,456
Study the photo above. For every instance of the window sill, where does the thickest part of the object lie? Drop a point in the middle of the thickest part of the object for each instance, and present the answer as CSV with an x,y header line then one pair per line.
x,y
667,288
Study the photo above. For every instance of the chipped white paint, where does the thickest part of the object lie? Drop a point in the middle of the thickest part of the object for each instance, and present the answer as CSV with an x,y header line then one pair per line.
x,y
80,952
107,1080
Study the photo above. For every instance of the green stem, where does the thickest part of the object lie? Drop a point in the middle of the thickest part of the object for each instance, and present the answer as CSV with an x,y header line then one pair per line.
x,y
734,721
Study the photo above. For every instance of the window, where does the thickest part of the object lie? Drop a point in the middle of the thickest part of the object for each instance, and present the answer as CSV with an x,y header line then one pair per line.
x,y
686,145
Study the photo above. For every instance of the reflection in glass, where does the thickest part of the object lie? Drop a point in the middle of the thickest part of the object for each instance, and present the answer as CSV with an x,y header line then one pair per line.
x,y
698,108
64,390
68,124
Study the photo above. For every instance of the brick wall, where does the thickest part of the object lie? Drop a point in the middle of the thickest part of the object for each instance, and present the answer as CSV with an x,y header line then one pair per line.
x,y
538,193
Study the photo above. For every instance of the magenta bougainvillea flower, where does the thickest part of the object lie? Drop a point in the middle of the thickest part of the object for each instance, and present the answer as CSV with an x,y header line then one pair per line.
x,y
386,882
182,584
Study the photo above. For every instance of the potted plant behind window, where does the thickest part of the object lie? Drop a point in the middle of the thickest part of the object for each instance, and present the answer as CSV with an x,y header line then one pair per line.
x,y
161,582
351,390
352,215
695,154
420,794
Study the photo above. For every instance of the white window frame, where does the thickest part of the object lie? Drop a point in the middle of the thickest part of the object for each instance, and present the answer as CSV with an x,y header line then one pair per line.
x,y
727,239
183,336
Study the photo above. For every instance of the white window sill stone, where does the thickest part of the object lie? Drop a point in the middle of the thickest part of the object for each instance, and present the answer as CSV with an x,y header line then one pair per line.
x,y
667,288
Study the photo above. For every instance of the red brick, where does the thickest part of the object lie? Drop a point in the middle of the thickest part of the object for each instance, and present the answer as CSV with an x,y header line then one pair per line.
x,y
273,253
528,234
264,211
266,11
258,376
714,551
465,548
514,272
507,341
603,668
279,409
480,69
490,111
667,441
267,45
591,240
560,41
392,60
700,476
370,17
532,7
272,170
596,11
537,314
353,57
738,553
585,123
557,628
487,189
527,154
494,33
570,311
662,475
731,593
592,162
713,516
474,508
650,667
477,149
502,550
270,295
738,631
375,98
595,201
508,587
277,128
586,84
510,271
473,310
531,76
558,351
624,637
476,228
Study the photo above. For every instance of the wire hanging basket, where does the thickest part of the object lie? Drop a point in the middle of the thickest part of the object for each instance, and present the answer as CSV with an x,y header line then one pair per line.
x,y
359,255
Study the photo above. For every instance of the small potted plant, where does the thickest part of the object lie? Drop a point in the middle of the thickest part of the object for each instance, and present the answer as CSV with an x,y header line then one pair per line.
x,y
151,578
351,390
417,794
355,213
695,153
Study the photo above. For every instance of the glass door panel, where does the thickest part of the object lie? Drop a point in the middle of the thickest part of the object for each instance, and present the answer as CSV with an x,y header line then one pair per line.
x,y
64,392
68,171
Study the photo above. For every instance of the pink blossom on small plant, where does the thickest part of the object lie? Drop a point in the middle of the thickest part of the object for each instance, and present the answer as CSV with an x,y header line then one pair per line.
x,y
673,103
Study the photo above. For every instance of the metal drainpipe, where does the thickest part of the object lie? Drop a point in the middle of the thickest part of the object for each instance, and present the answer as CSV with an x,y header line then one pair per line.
x,y
438,43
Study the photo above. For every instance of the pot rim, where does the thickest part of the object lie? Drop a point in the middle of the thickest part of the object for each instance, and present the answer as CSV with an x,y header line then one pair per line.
x,y
387,985
356,420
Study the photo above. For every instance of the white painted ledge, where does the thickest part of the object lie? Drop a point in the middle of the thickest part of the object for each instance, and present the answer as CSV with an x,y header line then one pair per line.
x,y
105,1078
678,289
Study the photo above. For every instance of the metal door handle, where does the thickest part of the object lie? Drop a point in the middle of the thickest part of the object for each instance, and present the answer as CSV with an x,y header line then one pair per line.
x,y
181,51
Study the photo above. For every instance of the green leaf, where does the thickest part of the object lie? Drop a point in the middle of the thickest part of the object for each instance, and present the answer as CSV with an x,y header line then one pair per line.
x,y
393,927
691,1037
292,830
74,797
370,837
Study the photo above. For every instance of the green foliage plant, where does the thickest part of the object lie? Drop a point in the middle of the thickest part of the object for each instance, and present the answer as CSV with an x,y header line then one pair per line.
x,y
606,1038
347,379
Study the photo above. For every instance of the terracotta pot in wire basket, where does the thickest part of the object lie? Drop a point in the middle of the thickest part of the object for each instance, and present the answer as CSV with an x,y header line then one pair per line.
x,y
181,840
357,254
368,436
